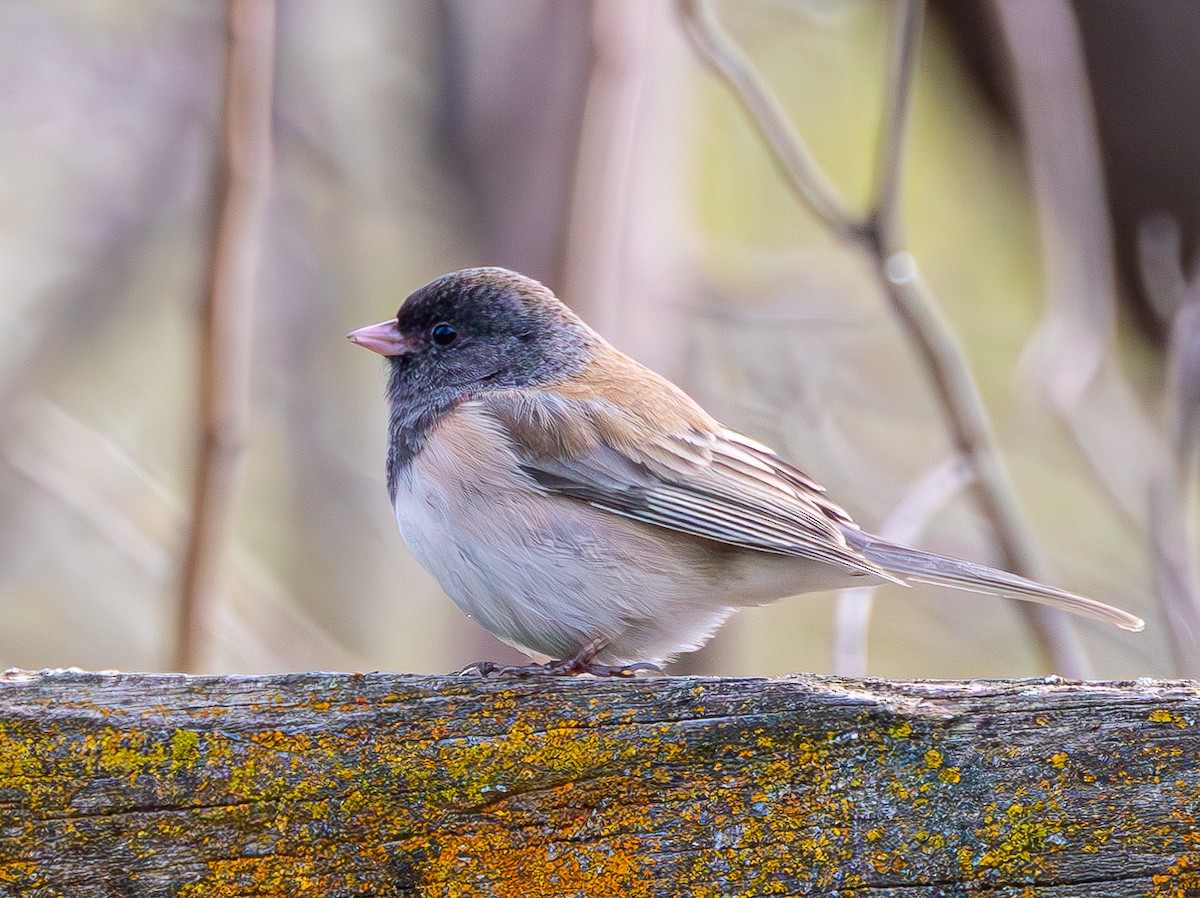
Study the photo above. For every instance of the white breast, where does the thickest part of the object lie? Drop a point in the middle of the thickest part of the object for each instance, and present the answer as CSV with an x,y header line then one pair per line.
x,y
546,574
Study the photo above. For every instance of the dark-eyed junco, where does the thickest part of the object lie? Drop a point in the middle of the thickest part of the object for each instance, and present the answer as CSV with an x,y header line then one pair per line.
x,y
578,505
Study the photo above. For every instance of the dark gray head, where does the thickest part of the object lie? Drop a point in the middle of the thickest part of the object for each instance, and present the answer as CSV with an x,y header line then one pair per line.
x,y
467,333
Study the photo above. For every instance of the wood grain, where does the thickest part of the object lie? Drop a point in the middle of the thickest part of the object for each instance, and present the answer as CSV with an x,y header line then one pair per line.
x,y
392,785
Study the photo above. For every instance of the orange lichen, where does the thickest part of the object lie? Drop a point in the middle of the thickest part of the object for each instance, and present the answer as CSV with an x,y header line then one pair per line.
x,y
1180,880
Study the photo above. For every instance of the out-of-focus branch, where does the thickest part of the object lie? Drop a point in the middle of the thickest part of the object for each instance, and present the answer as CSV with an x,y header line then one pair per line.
x,y
1160,265
258,626
880,235
1176,297
800,169
1058,122
1174,480
600,194
893,137
1182,412
920,505
243,184
1173,551
1070,357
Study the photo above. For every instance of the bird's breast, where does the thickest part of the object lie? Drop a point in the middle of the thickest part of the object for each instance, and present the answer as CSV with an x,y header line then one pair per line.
x,y
545,572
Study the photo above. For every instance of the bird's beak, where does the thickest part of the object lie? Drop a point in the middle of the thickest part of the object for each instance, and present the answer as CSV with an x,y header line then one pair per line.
x,y
384,338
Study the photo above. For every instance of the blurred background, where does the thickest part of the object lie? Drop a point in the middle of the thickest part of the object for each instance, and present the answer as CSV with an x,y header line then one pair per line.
x,y
1049,194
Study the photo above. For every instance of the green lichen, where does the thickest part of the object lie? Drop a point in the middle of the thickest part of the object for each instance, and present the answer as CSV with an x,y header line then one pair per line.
x,y
185,750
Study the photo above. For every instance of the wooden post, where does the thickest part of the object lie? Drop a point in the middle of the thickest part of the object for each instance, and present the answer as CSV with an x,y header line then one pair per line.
x,y
391,785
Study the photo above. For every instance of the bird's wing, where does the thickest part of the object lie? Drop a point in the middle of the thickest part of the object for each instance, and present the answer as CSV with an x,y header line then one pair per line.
x,y
694,477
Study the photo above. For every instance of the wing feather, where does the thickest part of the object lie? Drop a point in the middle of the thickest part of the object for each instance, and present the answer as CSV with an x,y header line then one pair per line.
x,y
700,479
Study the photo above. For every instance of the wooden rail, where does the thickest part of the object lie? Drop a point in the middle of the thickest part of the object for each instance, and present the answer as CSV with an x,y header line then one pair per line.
x,y
148,786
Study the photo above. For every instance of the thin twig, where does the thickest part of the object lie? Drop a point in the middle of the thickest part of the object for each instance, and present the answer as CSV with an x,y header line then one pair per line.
x,y
881,235
893,136
244,182
1160,264
800,168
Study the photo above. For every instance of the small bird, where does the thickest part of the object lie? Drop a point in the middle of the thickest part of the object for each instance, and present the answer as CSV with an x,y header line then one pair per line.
x,y
580,506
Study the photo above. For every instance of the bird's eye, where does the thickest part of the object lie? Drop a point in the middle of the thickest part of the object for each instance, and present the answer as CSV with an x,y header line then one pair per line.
x,y
443,334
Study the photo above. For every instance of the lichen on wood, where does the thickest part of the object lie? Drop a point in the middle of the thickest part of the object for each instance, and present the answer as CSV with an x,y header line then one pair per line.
x,y
392,785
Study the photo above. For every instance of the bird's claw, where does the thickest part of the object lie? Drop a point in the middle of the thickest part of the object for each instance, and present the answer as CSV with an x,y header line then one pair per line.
x,y
582,662
567,667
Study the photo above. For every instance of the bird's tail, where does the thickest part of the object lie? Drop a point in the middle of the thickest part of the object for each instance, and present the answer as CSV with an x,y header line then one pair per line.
x,y
940,570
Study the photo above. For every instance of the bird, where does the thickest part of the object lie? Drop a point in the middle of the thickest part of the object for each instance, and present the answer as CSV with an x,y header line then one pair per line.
x,y
580,506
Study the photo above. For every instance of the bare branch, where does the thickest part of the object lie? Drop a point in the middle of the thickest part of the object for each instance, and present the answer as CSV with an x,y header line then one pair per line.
x,y
930,332
225,349
971,432
1055,109
909,18
1177,298
801,171
881,236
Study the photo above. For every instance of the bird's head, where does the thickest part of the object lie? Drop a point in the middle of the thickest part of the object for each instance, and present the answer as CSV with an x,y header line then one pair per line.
x,y
477,330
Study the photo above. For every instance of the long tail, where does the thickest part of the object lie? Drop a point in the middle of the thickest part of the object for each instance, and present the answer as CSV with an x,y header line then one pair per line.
x,y
940,570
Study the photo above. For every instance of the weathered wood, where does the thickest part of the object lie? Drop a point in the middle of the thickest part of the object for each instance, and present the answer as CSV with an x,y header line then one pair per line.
x,y
391,785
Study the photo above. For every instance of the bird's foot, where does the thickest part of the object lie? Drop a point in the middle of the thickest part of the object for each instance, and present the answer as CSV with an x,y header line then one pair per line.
x,y
573,666
581,663
568,667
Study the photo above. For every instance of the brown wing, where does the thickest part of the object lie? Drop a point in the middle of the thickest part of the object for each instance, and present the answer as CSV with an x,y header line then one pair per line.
x,y
693,475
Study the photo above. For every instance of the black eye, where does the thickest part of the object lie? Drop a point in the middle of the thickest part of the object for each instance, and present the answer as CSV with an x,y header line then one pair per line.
x,y
443,334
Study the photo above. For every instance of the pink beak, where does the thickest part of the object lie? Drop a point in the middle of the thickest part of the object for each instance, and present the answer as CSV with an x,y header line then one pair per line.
x,y
383,338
